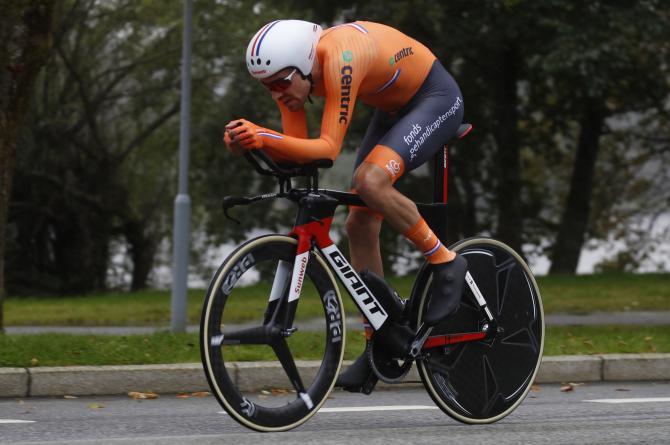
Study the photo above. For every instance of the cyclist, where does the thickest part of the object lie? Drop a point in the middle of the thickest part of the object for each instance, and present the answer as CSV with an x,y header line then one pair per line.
x,y
418,106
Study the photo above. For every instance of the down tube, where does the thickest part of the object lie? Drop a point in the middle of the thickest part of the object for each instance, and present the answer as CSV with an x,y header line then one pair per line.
x,y
362,295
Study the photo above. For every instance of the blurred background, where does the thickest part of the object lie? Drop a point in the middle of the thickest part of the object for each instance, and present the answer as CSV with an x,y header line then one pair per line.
x,y
569,161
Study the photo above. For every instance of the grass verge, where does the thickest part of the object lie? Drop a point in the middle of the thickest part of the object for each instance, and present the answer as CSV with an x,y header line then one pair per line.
x,y
69,350
571,294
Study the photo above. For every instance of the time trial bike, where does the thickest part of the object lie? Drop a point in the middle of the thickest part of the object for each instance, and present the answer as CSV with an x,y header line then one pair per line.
x,y
477,365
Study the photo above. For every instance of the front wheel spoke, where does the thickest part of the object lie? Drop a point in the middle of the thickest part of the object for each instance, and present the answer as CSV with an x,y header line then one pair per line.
x,y
259,335
288,363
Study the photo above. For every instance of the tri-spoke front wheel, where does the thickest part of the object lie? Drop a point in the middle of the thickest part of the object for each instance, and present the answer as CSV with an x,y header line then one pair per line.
x,y
483,381
247,323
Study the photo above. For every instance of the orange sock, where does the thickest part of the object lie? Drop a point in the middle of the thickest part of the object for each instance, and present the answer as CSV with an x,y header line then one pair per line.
x,y
431,247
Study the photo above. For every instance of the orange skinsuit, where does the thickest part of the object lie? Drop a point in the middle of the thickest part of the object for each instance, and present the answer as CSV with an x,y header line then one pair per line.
x,y
375,63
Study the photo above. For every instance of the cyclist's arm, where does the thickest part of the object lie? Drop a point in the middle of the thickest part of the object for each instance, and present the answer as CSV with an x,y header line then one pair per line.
x,y
343,72
294,123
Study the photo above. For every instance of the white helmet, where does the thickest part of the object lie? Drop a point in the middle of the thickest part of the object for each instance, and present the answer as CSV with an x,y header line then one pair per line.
x,y
281,44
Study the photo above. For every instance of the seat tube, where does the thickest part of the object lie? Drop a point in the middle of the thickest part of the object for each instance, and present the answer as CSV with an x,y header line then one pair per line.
x,y
441,175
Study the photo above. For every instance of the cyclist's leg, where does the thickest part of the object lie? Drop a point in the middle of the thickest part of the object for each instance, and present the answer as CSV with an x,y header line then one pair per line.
x,y
431,118
363,224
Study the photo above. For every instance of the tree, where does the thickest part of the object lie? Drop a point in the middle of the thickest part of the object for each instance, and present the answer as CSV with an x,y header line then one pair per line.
x,y
95,167
25,30
609,59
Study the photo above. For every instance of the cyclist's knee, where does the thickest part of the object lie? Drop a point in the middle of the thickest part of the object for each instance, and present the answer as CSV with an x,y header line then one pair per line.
x,y
370,180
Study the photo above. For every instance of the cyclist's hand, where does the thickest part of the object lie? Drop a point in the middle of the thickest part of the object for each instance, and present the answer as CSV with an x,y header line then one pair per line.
x,y
243,135
233,147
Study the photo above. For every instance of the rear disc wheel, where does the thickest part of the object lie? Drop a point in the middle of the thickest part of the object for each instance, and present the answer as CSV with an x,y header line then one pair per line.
x,y
483,381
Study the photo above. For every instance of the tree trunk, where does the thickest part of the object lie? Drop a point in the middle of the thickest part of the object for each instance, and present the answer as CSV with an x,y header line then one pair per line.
x,y
574,222
142,252
506,133
25,30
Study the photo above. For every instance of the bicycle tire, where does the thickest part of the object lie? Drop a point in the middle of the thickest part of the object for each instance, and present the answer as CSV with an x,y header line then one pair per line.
x,y
275,409
484,381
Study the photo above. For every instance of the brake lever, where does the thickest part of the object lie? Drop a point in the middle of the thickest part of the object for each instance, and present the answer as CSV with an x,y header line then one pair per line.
x,y
231,201
225,212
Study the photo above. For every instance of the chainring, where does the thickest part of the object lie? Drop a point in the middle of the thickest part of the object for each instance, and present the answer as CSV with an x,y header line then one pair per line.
x,y
388,369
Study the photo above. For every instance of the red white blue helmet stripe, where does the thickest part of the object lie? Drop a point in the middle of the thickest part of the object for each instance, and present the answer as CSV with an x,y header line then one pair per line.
x,y
256,49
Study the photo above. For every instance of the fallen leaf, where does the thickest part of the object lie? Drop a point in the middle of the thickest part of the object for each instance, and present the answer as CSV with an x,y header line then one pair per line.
x,y
622,389
142,395
185,395
96,406
278,392
200,394
535,388
588,343
570,387
70,397
648,338
34,362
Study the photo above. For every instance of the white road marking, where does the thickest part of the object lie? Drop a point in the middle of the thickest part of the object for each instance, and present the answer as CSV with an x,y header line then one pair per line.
x,y
638,400
16,421
357,409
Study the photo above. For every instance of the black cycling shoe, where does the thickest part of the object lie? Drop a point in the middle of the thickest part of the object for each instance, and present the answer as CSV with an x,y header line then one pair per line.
x,y
396,339
446,289
359,377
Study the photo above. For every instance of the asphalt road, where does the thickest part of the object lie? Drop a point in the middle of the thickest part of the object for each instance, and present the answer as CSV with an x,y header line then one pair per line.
x,y
587,414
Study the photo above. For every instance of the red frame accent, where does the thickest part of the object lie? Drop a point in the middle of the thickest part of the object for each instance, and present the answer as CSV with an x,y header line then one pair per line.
x,y
445,166
319,230
450,339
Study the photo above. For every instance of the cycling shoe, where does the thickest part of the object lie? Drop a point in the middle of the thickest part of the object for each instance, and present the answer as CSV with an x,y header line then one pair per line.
x,y
446,289
359,377
396,339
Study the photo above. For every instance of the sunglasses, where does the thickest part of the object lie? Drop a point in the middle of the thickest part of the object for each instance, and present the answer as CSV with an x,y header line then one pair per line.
x,y
280,84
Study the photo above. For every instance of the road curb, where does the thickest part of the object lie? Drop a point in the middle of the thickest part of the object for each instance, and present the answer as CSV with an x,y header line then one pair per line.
x,y
189,377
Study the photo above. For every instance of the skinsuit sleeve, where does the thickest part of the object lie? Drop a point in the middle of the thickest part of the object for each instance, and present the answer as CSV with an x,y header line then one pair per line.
x,y
345,61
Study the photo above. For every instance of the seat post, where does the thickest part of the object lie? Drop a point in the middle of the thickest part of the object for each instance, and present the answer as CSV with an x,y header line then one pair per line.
x,y
441,175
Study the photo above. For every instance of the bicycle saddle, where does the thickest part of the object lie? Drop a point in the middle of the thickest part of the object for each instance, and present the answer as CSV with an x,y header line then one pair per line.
x,y
463,131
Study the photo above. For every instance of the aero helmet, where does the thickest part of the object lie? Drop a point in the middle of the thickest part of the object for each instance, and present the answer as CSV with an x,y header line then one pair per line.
x,y
281,44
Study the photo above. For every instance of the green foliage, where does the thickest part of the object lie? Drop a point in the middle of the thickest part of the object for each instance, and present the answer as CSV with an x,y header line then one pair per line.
x,y
163,347
93,164
604,292
616,339
98,161
96,350
560,294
